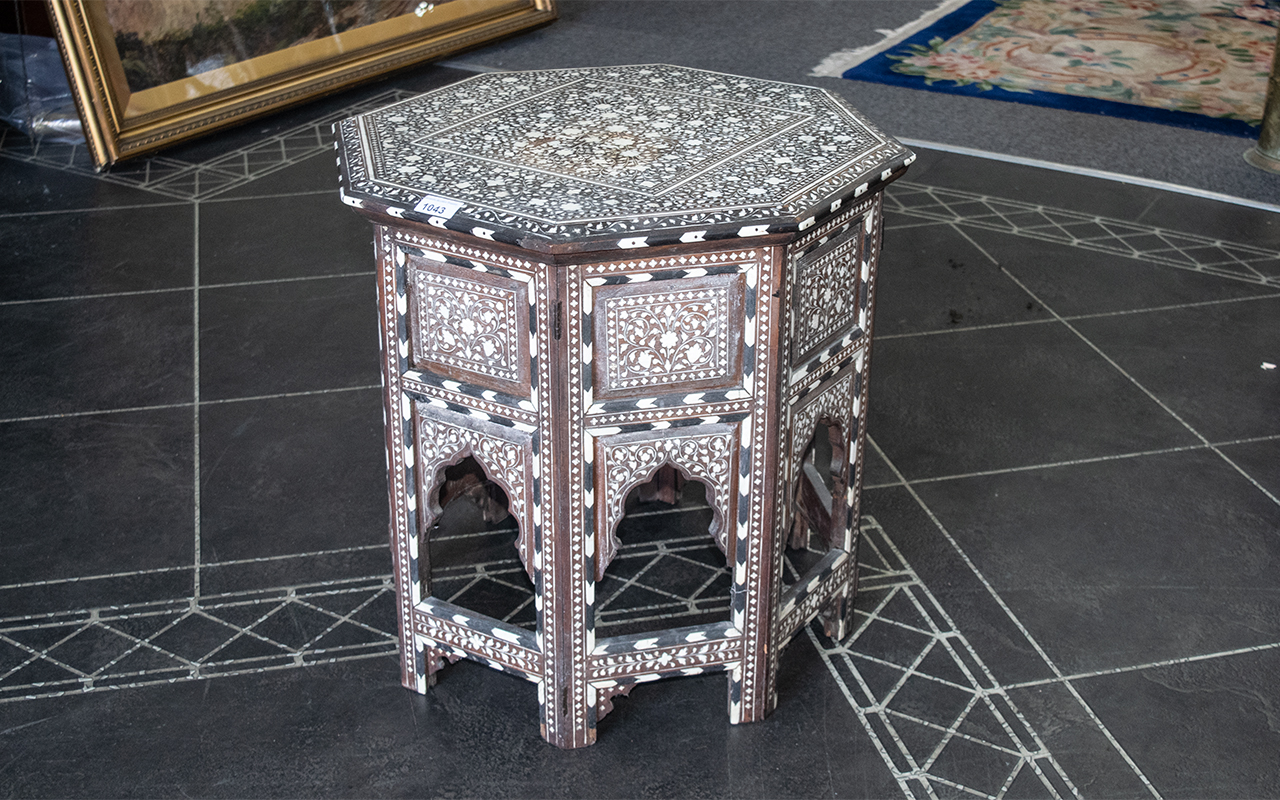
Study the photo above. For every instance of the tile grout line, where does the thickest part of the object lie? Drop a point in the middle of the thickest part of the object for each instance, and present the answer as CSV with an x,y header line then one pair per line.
x,y
164,406
1174,307
1169,662
926,223
1154,200
1124,372
73,414
273,281
1076,462
126,207
995,595
98,296
276,196
182,605
1068,317
1246,475
966,329
206,565
282,395
228,285
195,405
169,680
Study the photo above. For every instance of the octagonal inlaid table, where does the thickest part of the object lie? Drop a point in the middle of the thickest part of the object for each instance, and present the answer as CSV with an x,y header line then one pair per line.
x,y
592,277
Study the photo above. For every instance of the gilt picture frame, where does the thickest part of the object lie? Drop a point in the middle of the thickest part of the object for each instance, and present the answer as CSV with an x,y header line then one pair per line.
x,y
146,77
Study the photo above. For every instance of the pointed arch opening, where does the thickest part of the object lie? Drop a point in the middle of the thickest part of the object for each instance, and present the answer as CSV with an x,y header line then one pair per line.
x,y
819,508
669,569
469,552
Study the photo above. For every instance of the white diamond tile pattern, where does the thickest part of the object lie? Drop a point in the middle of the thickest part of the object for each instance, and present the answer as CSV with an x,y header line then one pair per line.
x,y
934,711
234,634
1087,232
190,180
941,721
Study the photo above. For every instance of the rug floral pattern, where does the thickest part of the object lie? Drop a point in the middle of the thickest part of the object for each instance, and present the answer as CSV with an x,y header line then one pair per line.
x,y
1209,57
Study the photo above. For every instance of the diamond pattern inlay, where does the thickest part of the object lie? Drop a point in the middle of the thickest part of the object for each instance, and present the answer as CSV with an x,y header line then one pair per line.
x,y
574,152
643,141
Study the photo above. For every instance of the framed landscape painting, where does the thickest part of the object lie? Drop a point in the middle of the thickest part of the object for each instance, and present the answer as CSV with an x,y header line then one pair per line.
x,y
150,73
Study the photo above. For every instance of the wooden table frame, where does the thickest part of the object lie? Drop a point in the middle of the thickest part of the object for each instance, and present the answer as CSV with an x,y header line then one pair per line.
x,y
566,438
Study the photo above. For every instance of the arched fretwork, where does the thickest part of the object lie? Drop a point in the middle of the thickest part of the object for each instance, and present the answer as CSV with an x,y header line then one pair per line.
x,y
706,453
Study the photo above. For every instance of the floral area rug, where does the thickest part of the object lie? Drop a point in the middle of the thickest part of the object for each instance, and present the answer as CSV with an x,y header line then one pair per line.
x,y
1195,63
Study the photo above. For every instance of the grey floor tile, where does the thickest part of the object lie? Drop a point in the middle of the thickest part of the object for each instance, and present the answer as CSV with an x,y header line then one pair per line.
x,y
96,495
296,336
1199,729
1205,363
284,237
261,492
932,278
1006,397
96,354
27,188
97,251
370,561
1123,562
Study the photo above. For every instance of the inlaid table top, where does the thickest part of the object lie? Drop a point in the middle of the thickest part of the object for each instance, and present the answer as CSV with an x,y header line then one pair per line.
x,y
614,157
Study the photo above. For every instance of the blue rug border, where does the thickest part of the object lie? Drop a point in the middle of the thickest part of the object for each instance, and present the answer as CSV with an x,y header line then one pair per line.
x,y
877,70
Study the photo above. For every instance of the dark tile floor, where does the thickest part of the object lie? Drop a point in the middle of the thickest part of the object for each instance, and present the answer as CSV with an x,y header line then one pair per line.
x,y
1071,553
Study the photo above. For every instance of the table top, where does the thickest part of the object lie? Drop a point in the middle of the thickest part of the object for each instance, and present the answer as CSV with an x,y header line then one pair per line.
x,y
614,156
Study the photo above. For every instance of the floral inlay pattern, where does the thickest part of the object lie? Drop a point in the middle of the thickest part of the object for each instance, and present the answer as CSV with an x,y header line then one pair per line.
x,y
467,324
826,301
667,337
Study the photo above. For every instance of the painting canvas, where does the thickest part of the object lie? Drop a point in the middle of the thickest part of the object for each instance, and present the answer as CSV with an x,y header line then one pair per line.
x,y
167,40
149,73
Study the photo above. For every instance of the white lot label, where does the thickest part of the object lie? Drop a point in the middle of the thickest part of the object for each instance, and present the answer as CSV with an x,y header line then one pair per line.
x,y
437,206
